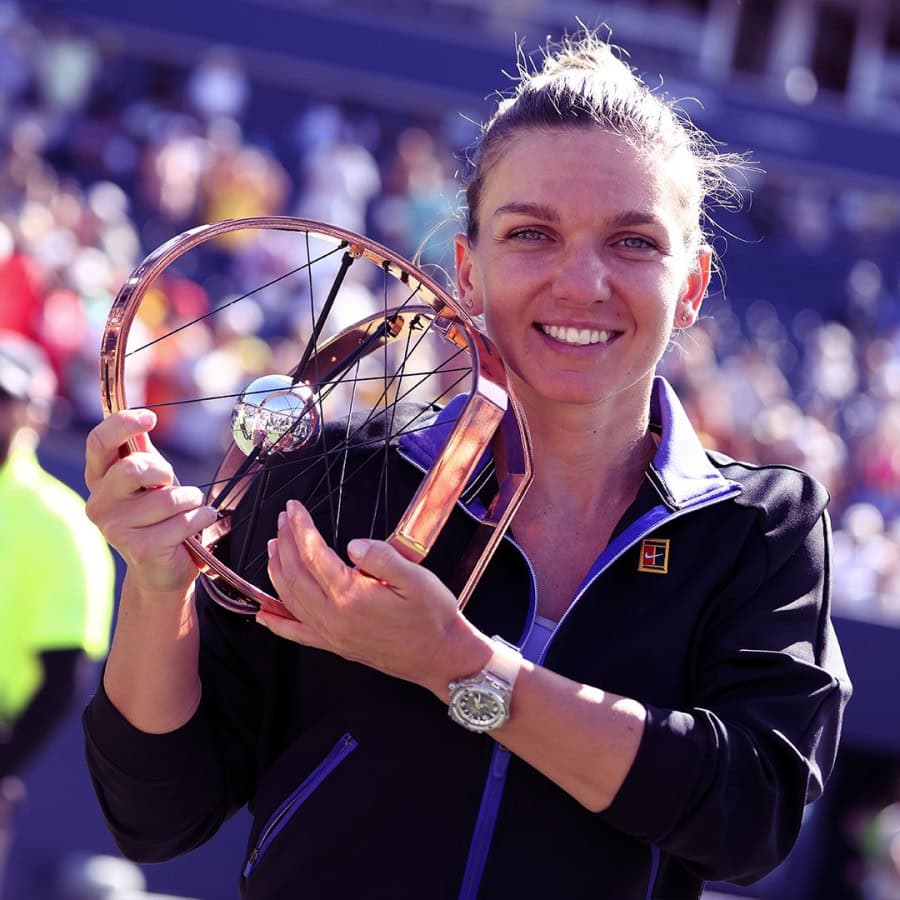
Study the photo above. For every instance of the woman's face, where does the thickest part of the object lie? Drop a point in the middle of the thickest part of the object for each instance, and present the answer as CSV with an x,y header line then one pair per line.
x,y
582,264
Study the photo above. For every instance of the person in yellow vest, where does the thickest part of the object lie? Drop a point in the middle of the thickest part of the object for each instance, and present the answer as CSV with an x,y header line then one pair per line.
x,y
58,578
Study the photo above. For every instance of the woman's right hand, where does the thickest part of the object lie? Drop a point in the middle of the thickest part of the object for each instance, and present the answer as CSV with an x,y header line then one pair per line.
x,y
138,505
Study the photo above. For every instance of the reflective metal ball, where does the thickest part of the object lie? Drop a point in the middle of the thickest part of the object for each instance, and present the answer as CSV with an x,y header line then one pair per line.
x,y
275,415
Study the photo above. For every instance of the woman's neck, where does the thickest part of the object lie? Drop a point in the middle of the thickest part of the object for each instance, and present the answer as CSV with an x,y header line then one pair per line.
x,y
587,472
584,457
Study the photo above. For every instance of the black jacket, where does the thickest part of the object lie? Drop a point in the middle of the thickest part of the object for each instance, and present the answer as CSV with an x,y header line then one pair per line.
x,y
710,605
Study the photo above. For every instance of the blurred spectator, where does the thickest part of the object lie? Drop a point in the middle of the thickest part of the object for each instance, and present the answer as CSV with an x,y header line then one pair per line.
x,y
58,577
881,844
217,88
418,212
19,286
339,175
173,165
240,179
103,156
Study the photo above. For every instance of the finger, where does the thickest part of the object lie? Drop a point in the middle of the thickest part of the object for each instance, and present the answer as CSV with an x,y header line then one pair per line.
x,y
140,472
380,560
120,504
165,503
294,586
275,568
195,520
287,567
290,628
120,496
308,550
160,537
104,441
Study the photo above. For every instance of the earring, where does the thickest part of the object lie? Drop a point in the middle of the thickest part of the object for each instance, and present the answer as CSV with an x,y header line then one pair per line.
x,y
468,302
685,317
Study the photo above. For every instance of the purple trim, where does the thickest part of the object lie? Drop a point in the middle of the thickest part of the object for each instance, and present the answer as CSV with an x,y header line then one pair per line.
x,y
639,529
687,481
654,871
493,790
532,593
627,538
681,465
343,748
484,824
423,446
681,461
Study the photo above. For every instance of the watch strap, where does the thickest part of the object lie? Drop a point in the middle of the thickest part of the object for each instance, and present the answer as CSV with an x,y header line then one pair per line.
x,y
505,662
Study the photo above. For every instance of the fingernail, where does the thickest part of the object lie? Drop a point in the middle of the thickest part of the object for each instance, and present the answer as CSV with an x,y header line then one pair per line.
x,y
270,547
357,548
282,519
293,507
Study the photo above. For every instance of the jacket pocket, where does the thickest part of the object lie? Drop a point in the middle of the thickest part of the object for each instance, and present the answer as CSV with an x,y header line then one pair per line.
x,y
338,753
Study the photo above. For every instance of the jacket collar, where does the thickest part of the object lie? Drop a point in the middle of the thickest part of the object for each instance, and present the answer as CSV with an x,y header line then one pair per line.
x,y
423,445
680,470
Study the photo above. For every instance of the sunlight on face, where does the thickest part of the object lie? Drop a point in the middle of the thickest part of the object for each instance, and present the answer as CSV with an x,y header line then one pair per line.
x,y
586,248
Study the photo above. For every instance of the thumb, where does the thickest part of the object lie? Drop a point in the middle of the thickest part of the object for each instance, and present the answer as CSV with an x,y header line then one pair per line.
x,y
380,560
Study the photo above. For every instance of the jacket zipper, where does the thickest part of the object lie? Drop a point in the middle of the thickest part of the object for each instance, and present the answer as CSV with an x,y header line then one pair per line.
x,y
654,871
496,781
346,745
484,824
628,540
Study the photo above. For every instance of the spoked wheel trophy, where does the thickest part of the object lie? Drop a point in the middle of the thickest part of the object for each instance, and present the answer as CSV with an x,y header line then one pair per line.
x,y
295,355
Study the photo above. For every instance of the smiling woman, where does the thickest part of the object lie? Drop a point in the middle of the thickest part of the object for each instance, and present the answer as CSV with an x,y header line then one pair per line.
x,y
644,688
595,270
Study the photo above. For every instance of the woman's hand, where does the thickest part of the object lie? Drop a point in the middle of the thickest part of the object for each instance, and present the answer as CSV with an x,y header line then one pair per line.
x,y
137,504
388,613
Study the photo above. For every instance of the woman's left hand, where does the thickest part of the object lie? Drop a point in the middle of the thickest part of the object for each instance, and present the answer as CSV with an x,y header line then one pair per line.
x,y
388,613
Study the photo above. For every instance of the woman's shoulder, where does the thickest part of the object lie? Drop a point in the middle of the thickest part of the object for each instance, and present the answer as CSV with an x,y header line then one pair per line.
x,y
779,492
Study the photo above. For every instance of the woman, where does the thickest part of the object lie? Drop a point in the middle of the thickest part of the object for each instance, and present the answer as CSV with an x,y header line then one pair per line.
x,y
648,658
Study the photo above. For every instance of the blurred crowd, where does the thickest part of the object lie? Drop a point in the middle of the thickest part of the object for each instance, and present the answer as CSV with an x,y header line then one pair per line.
x,y
104,157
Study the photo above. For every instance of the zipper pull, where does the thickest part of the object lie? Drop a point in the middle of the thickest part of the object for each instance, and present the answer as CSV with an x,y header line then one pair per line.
x,y
251,862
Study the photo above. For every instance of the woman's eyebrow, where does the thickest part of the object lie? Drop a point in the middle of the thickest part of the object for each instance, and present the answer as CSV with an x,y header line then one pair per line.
x,y
624,219
634,217
538,210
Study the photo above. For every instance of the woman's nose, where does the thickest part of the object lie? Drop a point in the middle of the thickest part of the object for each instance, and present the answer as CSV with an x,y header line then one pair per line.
x,y
582,275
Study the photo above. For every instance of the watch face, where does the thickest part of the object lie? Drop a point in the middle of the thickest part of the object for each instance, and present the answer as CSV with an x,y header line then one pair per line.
x,y
479,708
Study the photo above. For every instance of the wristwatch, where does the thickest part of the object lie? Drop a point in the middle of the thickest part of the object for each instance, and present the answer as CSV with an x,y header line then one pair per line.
x,y
481,702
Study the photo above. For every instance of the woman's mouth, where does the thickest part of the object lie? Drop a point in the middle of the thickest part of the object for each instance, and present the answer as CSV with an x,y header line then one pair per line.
x,y
577,337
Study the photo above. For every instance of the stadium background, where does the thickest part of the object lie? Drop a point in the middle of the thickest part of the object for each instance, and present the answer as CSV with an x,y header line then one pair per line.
x,y
124,123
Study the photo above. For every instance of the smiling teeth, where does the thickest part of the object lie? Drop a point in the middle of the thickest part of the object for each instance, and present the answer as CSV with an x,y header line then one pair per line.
x,y
580,336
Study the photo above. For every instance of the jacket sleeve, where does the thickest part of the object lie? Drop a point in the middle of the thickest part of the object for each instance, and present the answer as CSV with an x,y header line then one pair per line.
x,y
165,794
722,785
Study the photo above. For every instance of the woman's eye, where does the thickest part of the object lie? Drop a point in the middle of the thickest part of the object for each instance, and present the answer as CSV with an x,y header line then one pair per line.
x,y
527,234
633,242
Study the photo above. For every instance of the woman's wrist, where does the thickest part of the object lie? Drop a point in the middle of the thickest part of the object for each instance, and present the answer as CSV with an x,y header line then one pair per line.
x,y
464,651
140,594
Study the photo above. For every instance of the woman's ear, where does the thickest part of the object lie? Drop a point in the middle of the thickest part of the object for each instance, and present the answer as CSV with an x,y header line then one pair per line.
x,y
468,288
694,290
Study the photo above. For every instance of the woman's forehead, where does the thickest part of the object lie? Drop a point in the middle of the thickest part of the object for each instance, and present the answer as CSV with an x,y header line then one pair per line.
x,y
582,164
592,164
